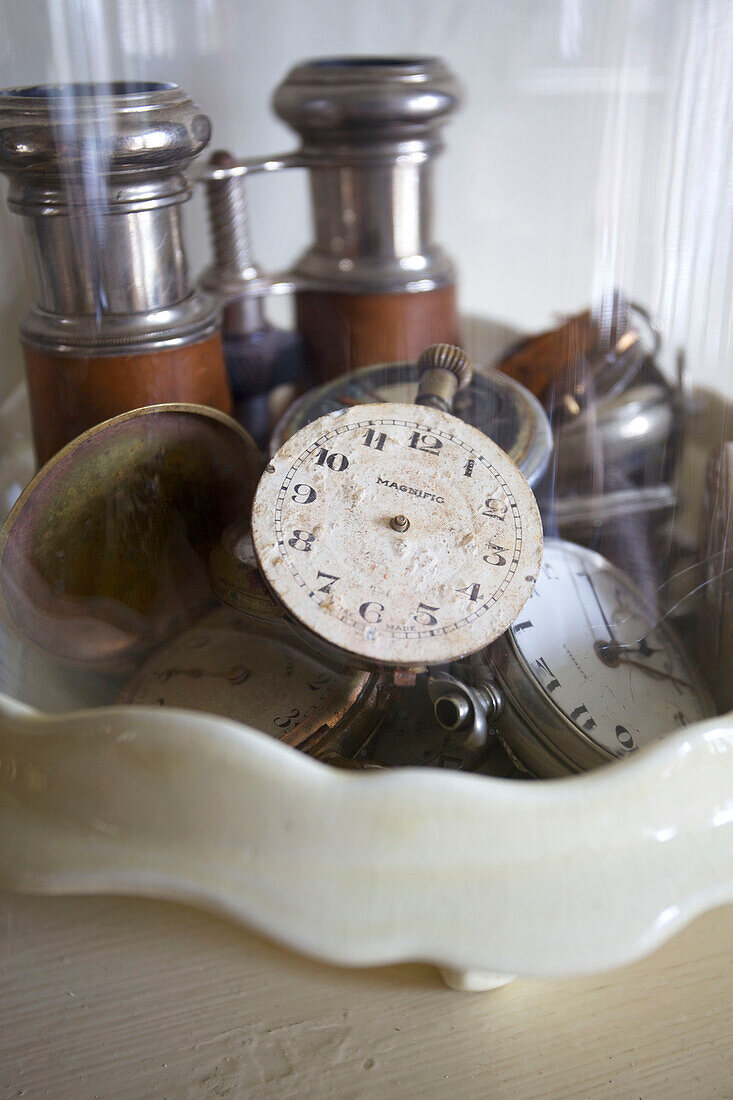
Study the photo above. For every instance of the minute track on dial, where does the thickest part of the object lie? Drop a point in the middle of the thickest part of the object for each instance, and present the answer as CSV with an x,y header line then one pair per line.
x,y
404,537
295,541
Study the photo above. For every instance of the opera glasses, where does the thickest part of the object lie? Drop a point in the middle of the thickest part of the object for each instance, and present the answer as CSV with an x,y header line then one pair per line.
x,y
98,172
373,287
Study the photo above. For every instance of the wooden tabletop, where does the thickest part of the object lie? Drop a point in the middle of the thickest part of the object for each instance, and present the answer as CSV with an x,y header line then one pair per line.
x,y
116,998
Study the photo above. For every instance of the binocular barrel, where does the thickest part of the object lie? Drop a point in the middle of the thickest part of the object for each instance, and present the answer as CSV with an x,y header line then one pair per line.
x,y
98,173
373,286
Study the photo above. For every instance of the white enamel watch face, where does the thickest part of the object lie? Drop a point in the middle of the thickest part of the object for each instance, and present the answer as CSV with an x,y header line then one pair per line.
x,y
397,534
224,665
611,675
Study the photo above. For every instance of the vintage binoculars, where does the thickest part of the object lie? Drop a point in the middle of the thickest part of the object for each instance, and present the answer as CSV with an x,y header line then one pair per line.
x,y
100,172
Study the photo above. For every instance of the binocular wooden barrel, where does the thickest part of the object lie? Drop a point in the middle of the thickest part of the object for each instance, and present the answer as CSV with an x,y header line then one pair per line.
x,y
344,331
69,395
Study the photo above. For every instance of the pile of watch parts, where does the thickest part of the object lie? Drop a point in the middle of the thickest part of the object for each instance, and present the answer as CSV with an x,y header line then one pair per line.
x,y
417,561
600,659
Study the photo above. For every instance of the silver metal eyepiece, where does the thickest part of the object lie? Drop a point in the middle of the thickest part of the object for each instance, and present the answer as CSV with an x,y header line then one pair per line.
x,y
99,173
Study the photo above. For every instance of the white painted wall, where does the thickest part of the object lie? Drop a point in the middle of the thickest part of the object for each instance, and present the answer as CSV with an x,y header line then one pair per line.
x,y
594,147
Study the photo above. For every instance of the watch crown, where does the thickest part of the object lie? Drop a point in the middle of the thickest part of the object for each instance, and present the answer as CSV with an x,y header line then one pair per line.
x,y
443,369
447,357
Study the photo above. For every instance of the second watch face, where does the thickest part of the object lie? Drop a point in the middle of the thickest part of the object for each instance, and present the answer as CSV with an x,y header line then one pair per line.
x,y
492,402
397,534
224,665
602,658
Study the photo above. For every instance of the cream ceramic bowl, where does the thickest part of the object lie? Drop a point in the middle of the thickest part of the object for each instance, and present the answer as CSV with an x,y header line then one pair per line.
x,y
487,878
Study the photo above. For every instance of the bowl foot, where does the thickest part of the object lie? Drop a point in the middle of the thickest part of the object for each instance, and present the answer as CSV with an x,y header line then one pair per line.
x,y
474,981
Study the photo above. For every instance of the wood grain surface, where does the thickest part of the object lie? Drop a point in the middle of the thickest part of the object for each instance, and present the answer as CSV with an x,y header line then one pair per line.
x,y
118,998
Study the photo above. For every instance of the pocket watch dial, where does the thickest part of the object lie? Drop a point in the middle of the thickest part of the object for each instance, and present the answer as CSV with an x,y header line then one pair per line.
x,y
224,666
397,534
601,657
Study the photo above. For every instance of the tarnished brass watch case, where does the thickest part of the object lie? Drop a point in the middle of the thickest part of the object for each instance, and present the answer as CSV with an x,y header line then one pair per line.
x,y
235,576
105,552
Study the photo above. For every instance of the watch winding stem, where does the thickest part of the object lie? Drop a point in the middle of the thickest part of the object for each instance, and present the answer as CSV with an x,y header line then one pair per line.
x,y
444,369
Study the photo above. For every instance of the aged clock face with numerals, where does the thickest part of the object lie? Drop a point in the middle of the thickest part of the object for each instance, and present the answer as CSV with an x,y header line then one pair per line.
x,y
398,534
226,666
492,402
602,659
